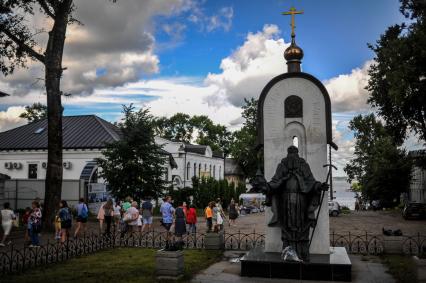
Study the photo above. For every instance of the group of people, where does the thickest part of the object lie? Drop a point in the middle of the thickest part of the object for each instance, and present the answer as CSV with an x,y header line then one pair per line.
x,y
127,216
31,221
178,218
215,215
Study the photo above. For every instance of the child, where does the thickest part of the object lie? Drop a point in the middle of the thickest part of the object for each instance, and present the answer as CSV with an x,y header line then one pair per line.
x,y
25,218
57,228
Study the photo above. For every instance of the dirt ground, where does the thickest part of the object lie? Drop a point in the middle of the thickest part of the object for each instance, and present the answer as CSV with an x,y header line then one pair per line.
x,y
355,222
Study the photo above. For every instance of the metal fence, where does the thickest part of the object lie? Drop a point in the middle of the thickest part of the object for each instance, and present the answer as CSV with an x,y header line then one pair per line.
x,y
17,260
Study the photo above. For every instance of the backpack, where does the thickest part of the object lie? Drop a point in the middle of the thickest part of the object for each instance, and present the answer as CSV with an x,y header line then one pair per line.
x,y
84,211
66,221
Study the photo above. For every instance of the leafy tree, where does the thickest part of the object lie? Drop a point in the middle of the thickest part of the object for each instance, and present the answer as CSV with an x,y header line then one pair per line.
x,y
380,167
134,165
214,135
398,77
17,46
35,112
243,143
201,129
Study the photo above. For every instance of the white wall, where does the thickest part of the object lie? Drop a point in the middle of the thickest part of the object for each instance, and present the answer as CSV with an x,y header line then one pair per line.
x,y
77,158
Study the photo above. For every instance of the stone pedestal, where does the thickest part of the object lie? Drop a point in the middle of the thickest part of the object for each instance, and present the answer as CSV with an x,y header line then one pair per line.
x,y
169,265
335,266
214,241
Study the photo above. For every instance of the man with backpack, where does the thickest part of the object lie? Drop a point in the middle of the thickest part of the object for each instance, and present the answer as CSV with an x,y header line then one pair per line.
x,y
82,216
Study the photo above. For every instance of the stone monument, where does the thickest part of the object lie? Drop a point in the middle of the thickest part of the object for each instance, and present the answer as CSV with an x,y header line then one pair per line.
x,y
294,115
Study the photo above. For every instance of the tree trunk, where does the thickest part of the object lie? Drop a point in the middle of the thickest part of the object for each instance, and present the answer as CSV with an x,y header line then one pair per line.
x,y
53,73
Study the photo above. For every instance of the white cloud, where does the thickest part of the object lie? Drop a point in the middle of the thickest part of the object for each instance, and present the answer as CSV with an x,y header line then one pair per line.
x,y
247,70
347,91
9,119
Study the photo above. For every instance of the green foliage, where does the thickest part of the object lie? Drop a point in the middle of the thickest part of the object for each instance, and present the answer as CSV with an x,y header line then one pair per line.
x,y
35,112
205,190
184,128
134,165
398,77
380,167
243,144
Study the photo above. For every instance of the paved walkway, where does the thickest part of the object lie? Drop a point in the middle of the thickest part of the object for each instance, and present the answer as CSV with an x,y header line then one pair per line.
x,y
228,271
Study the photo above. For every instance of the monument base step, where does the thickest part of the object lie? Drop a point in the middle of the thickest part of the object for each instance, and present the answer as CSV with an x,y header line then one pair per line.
x,y
333,267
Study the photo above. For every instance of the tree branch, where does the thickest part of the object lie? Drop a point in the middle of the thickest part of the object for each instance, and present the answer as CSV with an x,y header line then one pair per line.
x,y
46,8
22,45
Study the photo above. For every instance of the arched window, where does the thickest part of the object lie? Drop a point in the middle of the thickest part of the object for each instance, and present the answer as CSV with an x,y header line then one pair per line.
x,y
199,170
296,141
214,171
188,170
195,170
220,172
210,170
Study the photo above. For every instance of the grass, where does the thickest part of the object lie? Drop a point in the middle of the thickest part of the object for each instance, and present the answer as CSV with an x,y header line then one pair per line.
x,y
402,268
123,265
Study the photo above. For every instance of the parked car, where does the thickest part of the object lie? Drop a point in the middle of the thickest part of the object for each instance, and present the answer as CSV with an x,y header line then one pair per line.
x,y
333,208
414,211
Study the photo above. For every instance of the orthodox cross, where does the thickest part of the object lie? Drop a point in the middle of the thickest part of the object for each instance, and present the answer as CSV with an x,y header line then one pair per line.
x,y
292,12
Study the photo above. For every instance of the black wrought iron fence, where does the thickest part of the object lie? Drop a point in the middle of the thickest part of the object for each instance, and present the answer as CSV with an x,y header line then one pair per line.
x,y
18,259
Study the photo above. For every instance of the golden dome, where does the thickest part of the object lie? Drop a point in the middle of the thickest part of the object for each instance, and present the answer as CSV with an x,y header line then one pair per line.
x,y
293,52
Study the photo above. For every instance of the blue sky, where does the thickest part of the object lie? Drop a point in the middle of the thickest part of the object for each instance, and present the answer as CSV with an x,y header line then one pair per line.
x,y
333,33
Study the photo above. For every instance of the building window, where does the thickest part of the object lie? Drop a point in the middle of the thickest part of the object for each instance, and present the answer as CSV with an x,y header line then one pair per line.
x,y
220,172
210,170
195,170
214,171
32,171
205,167
199,170
188,169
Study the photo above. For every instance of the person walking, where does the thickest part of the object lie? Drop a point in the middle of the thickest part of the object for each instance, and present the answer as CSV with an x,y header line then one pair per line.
x,y
133,216
180,224
147,212
117,214
82,216
167,213
191,219
233,213
108,214
7,218
25,220
34,224
66,220
208,213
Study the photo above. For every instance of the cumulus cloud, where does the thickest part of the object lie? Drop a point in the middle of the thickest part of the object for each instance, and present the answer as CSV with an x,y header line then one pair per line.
x,y
347,91
113,46
9,119
247,70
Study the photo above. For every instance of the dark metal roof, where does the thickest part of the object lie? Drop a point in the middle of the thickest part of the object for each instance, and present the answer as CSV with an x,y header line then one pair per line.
x,y
201,149
232,167
79,132
194,148
218,154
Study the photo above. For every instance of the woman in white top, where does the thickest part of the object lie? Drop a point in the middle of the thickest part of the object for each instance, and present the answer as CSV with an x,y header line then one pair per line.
x,y
7,216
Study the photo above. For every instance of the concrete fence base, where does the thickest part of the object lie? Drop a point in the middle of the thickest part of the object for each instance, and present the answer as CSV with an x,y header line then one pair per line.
x,y
169,265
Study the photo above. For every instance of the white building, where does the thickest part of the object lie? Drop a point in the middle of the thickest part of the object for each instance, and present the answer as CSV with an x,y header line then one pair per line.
x,y
417,192
193,161
23,158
